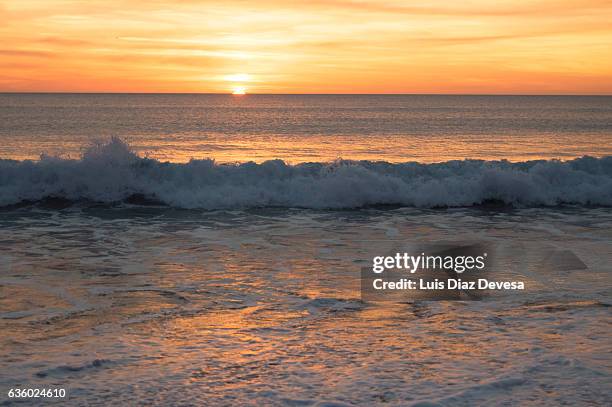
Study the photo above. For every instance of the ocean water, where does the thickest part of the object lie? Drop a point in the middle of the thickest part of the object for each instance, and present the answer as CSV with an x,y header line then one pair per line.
x,y
310,128
210,254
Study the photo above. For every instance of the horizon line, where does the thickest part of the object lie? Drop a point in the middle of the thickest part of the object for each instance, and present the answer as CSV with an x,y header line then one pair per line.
x,y
301,94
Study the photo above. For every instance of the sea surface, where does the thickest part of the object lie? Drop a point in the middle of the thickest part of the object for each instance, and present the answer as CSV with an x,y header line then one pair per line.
x,y
207,249
309,128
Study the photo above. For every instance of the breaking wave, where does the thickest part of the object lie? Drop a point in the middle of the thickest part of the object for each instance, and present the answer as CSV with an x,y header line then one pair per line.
x,y
111,172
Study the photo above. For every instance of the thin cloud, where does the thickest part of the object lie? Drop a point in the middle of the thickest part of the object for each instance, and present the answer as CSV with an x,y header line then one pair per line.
x,y
307,44
26,53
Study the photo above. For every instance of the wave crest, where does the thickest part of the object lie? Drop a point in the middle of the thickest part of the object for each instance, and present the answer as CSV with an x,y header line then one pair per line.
x,y
112,172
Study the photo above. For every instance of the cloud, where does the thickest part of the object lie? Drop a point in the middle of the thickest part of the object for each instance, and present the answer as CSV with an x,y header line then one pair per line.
x,y
306,44
26,53
67,42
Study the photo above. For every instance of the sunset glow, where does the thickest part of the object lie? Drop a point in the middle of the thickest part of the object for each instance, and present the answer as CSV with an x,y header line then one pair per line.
x,y
338,46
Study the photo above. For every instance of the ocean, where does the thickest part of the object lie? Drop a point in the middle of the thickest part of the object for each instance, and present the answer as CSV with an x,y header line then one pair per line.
x,y
310,128
207,249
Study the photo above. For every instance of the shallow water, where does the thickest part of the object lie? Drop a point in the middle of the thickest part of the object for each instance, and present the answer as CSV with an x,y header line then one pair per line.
x,y
262,307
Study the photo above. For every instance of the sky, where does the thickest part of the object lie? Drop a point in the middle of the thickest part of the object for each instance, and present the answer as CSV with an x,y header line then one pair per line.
x,y
308,46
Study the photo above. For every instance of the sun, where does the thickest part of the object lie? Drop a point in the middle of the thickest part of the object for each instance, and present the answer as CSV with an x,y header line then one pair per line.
x,y
239,90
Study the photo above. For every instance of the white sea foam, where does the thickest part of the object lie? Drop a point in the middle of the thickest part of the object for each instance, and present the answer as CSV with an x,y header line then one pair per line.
x,y
111,172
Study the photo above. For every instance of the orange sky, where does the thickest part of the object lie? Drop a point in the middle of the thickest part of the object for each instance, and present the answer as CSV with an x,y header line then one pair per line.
x,y
337,46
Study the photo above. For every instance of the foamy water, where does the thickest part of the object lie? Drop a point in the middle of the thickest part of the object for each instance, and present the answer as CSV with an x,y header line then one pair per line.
x,y
112,173
262,307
